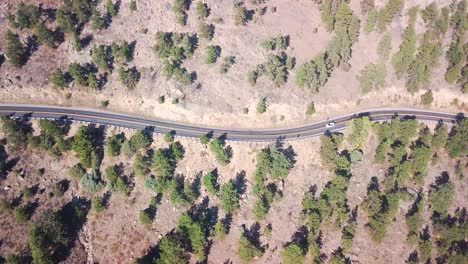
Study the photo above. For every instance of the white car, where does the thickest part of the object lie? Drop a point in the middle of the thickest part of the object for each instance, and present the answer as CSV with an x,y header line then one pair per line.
x,y
329,125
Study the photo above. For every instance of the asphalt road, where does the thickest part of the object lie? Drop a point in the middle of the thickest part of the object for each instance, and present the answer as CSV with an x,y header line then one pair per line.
x,y
188,130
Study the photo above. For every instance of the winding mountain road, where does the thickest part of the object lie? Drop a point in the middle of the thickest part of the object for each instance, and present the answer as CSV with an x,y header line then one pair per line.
x,y
188,130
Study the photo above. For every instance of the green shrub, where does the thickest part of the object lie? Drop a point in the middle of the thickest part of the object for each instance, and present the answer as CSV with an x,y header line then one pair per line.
x,y
15,50
162,165
65,20
85,148
371,21
356,156
175,46
183,192
219,152
177,72
347,33
47,236
310,109
240,15
204,139
277,43
427,98
59,188
246,250
22,214
171,251
229,197
194,231
385,47
210,182
133,5
457,145
102,57
405,55
169,137
440,197
439,140
455,57
16,258
260,209
419,71
220,230
83,9
111,8
79,74
430,13
141,165
213,53
180,8
5,206
252,77
76,41
77,171
27,15
227,64
59,78
314,74
359,131
145,217
113,145
92,182
44,35
117,182
261,106
122,53
293,254
98,205
177,151
372,77
129,77
206,30
202,10
97,21
388,12
347,235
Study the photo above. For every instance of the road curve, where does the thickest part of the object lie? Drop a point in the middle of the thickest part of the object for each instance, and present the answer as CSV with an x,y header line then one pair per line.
x,y
188,130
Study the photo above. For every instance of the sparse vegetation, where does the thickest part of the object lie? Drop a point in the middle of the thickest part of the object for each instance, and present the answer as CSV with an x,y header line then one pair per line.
x,y
129,77
213,53
180,200
180,7
310,109
427,98
372,77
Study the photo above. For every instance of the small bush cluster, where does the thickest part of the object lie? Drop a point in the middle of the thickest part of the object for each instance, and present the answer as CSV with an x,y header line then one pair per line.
x,y
180,9
276,68
218,150
276,43
173,48
372,77
227,64
271,161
